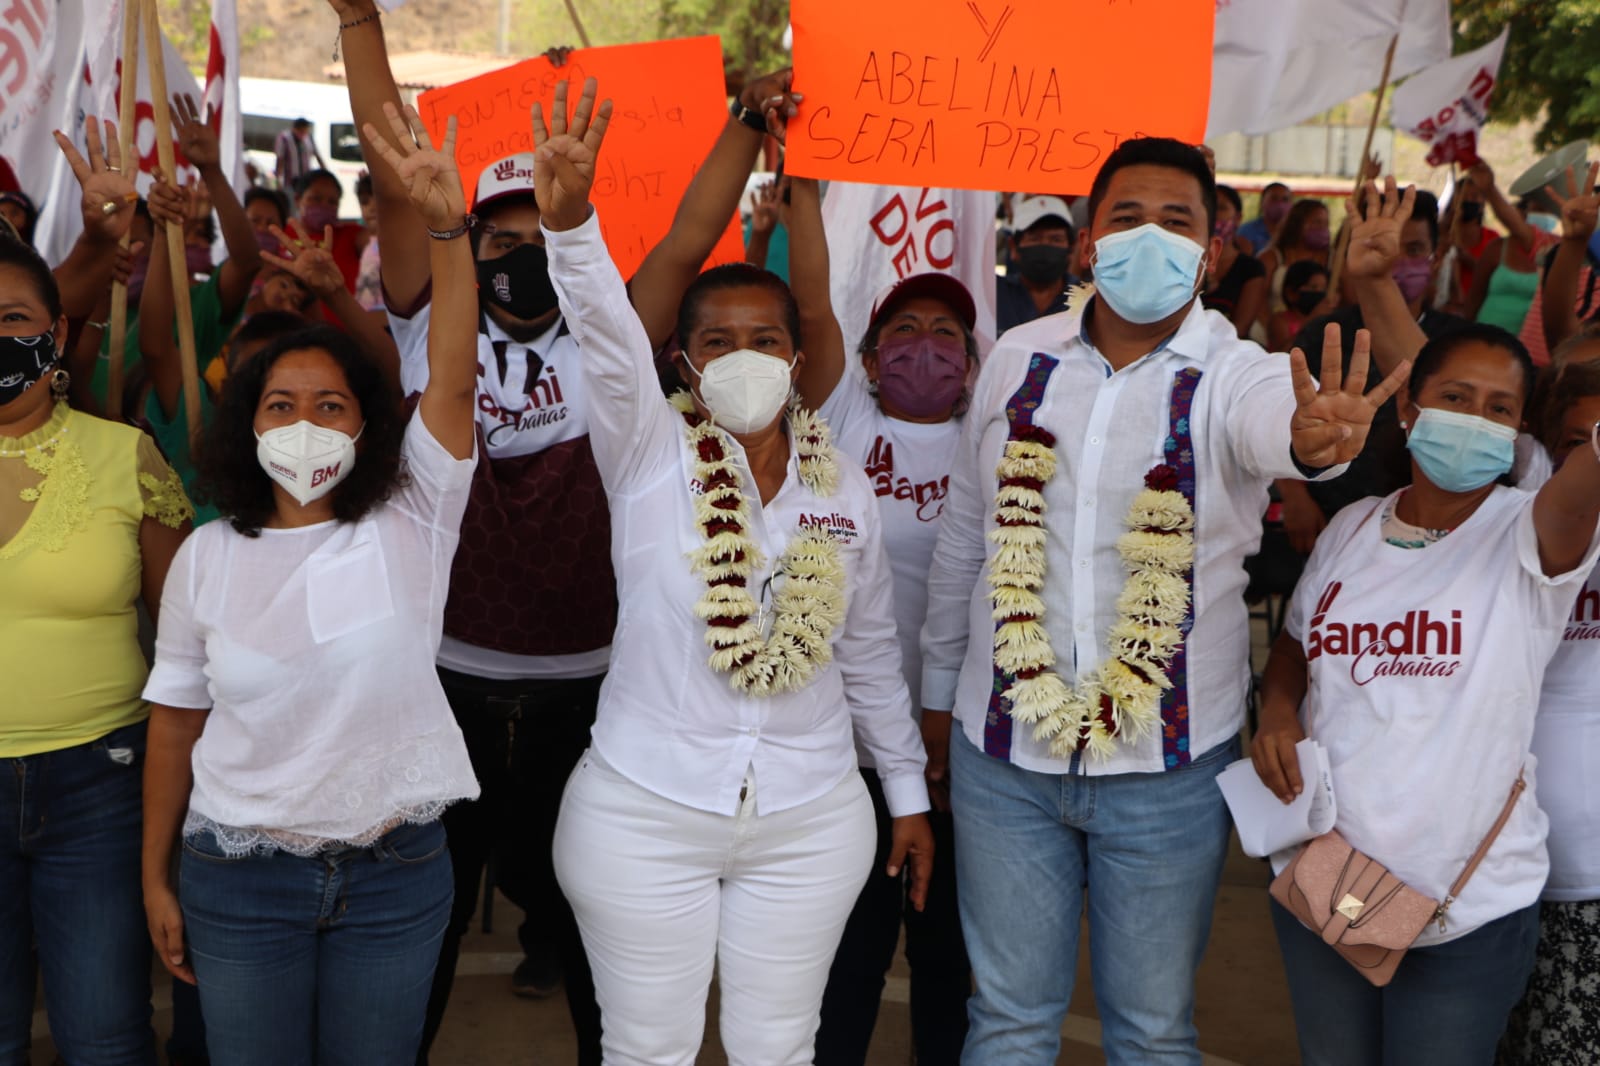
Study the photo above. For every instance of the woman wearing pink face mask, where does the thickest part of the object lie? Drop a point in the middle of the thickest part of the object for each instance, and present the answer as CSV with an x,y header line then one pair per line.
x,y
896,409
317,212
1304,235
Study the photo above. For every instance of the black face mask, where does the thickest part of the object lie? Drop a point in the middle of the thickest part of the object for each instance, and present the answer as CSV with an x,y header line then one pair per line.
x,y
1472,211
1308,300
518,283
1042,263
23,362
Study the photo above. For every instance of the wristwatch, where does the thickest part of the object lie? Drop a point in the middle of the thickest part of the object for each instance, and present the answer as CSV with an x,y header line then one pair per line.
x,y
754,119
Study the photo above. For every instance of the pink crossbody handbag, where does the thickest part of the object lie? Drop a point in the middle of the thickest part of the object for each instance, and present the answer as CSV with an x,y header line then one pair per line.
x,y
1360,909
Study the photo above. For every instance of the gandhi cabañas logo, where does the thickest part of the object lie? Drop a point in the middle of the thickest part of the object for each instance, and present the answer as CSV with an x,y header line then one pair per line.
x,y
1417,644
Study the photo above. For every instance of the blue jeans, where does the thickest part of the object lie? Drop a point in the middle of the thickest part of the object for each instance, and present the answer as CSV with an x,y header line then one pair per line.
x,y
1446,1006
326,959
1144,852
70,824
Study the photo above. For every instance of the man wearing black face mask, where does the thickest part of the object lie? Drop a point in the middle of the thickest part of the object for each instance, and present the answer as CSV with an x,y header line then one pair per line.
x,y
532,602
1040,244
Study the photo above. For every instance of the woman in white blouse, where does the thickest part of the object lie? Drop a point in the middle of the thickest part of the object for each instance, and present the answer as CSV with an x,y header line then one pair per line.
x,y
718,818
300,743
1414,653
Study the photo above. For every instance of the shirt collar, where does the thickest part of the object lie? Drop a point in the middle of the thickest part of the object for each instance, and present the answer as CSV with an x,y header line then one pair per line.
x,y
542,343
1190,342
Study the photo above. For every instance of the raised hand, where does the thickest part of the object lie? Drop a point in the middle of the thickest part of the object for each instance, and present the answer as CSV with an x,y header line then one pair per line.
x,y
764,211
1482,175
196,139
773,97
311,262
108,194
1580,207
429,174
564,156
1375,240
1330,425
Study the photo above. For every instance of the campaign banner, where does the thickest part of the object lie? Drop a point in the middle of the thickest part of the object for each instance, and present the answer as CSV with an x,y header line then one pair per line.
x,y
991,94
1445,106
878,234
668,108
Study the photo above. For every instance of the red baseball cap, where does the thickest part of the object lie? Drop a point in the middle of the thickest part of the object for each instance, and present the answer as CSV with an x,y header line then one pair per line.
x,y
942,287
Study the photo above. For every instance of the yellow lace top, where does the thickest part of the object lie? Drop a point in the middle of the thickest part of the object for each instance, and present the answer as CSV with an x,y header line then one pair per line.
x,y
73,494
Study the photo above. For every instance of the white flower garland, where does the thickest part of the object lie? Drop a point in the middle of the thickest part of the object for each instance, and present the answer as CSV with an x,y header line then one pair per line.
x,y
1121,697
806,606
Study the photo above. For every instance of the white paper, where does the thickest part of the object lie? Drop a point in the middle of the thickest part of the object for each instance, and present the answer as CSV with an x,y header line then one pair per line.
x,y
1266,824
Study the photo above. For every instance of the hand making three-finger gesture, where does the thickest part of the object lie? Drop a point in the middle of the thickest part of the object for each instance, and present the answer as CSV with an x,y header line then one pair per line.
x,y
1330,424
564,156
429,174
108,193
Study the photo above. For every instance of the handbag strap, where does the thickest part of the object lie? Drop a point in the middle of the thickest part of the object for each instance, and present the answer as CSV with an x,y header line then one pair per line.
x,y
1517,789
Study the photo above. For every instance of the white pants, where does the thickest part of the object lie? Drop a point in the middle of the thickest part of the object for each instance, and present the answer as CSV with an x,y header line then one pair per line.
x,y
662,891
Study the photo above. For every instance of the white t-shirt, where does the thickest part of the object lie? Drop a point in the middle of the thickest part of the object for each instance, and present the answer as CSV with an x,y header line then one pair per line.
x,y
1425,669
314,650
908,464
1566,740
531,542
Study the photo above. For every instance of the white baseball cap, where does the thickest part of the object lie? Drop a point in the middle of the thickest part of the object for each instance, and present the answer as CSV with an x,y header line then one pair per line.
x,y
1036,209
511,176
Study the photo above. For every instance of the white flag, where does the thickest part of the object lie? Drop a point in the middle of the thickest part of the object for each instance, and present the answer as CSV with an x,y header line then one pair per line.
x,y
1279,62
39,49
1445,106
878,234
222,88
96,89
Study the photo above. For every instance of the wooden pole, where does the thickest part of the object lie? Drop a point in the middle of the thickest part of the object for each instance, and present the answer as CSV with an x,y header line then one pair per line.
x,y
583,34
1337,266
175,250
127,117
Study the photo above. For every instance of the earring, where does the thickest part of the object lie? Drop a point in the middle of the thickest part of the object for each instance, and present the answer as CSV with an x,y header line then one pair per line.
x,y
59,383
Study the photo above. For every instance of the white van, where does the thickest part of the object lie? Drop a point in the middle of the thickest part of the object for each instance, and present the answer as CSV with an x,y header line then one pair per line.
x,y
270,106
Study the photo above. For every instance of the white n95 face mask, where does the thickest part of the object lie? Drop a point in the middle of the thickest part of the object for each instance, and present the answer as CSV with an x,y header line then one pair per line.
x,y
744,390
306,459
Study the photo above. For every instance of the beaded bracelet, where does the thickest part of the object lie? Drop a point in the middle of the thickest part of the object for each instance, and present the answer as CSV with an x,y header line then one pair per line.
x,y
368,17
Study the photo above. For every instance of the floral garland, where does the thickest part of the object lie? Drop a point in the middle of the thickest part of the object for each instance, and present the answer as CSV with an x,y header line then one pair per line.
x,y
806,607
1121,697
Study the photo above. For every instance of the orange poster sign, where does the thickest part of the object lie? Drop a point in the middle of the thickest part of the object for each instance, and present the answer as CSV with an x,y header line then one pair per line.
x,y
992,94
669,106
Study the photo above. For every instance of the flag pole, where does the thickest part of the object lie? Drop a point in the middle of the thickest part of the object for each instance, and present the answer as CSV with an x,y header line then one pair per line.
x,y
175,248
126,120
1337,266
583,34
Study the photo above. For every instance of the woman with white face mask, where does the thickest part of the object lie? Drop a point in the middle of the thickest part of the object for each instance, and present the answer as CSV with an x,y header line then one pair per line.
x,y
718,819
301,749
1414,653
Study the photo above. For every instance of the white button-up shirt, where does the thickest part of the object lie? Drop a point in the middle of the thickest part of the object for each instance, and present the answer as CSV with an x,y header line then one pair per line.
x,y
1110,428
667,721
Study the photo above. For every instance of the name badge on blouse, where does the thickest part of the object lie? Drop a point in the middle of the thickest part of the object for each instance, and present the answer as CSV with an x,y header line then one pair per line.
x,y
348,588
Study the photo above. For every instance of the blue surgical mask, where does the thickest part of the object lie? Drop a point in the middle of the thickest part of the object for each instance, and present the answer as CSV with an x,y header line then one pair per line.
x,y
1544,222
1461,453
1148,273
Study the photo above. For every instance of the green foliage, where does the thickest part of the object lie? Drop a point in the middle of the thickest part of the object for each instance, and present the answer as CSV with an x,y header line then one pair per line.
x,y
1550,67
751,31
187,24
